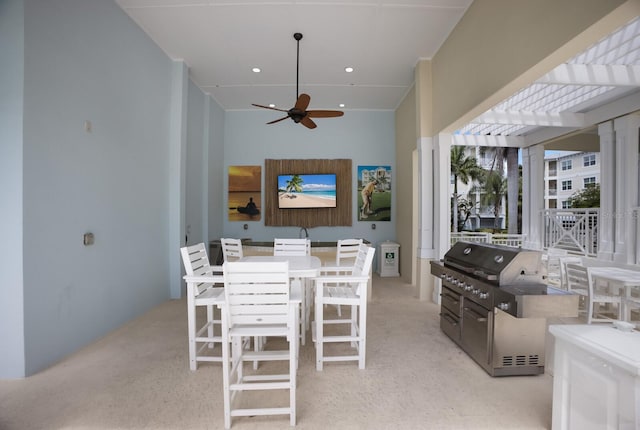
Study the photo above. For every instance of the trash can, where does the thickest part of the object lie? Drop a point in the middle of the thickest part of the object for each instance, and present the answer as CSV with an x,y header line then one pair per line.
x,y
389,255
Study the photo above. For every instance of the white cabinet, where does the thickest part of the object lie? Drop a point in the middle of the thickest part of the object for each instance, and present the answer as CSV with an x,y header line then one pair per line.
x,y
596,381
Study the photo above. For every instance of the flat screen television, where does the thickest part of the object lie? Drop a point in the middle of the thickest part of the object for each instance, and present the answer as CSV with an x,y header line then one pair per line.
x,y
307,191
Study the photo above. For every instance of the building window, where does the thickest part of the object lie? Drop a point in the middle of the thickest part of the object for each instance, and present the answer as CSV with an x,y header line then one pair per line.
x,y
565,204
589,160
589,182
566,165
566,185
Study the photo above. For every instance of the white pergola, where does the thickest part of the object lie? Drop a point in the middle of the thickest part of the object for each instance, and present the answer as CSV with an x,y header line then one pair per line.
x,y
589,103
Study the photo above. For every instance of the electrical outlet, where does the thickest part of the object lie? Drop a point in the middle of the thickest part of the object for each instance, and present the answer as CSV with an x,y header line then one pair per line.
x,y
88,127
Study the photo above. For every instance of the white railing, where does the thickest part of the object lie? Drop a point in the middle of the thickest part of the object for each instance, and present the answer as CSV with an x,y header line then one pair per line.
x,y
635,213
574,230
513,240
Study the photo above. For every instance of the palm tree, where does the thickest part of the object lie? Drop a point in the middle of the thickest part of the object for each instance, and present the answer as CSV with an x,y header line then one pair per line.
x,y
494,188
513,176
463,168
294,184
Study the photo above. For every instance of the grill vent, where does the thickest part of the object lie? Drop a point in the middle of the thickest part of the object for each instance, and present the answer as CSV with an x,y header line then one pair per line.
x,y
520,360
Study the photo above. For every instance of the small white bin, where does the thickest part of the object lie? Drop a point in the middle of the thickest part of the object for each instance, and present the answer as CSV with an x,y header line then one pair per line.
x,y
388,259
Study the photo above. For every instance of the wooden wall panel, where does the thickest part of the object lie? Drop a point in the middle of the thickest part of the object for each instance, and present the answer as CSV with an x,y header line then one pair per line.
x,y
338,216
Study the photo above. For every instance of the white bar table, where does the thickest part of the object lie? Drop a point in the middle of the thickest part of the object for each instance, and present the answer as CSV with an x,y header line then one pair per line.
x,y
300,267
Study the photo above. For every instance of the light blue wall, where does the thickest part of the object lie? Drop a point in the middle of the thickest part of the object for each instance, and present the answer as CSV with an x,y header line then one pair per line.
x,y
217,171
86,60
367,138
11,258
197,167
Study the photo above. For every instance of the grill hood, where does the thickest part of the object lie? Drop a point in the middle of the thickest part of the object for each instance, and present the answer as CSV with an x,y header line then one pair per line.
x,y
496,264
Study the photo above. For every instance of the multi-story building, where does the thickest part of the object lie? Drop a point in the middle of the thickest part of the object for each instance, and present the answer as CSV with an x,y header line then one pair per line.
x,y
482,216
566,174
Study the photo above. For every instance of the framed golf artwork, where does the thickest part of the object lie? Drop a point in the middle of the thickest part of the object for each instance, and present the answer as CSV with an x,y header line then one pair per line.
x,y
374,193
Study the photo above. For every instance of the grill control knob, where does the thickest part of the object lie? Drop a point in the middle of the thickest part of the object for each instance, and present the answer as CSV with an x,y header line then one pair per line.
x,y
468,287
476,291
504,306
483,295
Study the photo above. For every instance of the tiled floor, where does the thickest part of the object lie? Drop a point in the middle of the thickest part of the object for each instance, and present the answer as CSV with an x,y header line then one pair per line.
x,y
416,378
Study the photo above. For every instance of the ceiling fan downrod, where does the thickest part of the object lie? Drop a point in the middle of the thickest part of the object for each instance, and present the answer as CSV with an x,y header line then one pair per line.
x,y
297,36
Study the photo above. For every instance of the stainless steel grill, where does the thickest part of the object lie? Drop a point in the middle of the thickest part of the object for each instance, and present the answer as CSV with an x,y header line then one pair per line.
x,y
495,304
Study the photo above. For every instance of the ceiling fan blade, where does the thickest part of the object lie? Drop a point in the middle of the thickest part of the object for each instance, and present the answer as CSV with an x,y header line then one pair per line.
x,y
324,113
303,102
278,120
308,122
269,107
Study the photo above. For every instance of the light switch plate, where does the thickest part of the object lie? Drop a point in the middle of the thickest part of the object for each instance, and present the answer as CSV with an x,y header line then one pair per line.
x,y
88,239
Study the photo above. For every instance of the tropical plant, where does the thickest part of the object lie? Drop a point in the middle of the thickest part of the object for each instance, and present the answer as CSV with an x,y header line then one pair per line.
x,y
464,168
493,190
465,209
588,197
294,184
499,154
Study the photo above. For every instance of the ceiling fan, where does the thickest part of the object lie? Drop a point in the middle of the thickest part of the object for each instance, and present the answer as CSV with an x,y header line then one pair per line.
x,y
299,113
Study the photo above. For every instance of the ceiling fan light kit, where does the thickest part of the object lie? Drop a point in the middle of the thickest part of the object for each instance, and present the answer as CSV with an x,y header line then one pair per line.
x,y
299,113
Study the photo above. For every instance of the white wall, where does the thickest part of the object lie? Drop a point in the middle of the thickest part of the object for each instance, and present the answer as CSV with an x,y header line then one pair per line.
x,y
367,138
86,60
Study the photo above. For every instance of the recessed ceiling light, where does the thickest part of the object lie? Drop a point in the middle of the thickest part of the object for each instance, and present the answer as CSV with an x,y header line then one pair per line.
x,y
272,105
256,70
348,69
341,105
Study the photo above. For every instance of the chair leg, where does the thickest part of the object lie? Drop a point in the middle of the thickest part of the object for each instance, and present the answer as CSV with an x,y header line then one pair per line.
x,y
293,369
362,329
191,327
226,374
210,318
319,327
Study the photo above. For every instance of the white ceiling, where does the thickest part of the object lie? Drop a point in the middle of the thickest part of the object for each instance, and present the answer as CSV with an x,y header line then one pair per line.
x,y
222,40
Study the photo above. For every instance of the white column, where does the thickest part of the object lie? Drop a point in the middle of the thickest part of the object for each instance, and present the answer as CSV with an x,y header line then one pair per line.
x,y
425,281
442,195
425,151
435,159
532,195
607,219
626,186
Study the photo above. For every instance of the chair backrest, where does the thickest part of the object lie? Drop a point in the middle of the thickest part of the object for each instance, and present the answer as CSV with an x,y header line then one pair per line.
x,y
256,293
563,268
196,263
364,260
347,251
578,278
231,249
291,247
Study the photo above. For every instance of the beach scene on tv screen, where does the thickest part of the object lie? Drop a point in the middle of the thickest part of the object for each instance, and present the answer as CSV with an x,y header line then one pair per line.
x,y
307,191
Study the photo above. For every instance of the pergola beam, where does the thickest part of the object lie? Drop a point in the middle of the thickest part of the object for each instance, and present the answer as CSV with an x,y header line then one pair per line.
x,y
542,119
494,141
612,75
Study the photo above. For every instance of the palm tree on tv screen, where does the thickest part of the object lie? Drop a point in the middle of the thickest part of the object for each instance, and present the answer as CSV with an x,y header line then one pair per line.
x,y
294,184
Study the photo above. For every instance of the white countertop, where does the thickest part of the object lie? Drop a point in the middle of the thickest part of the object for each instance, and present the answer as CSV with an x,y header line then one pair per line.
x,y
618,347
